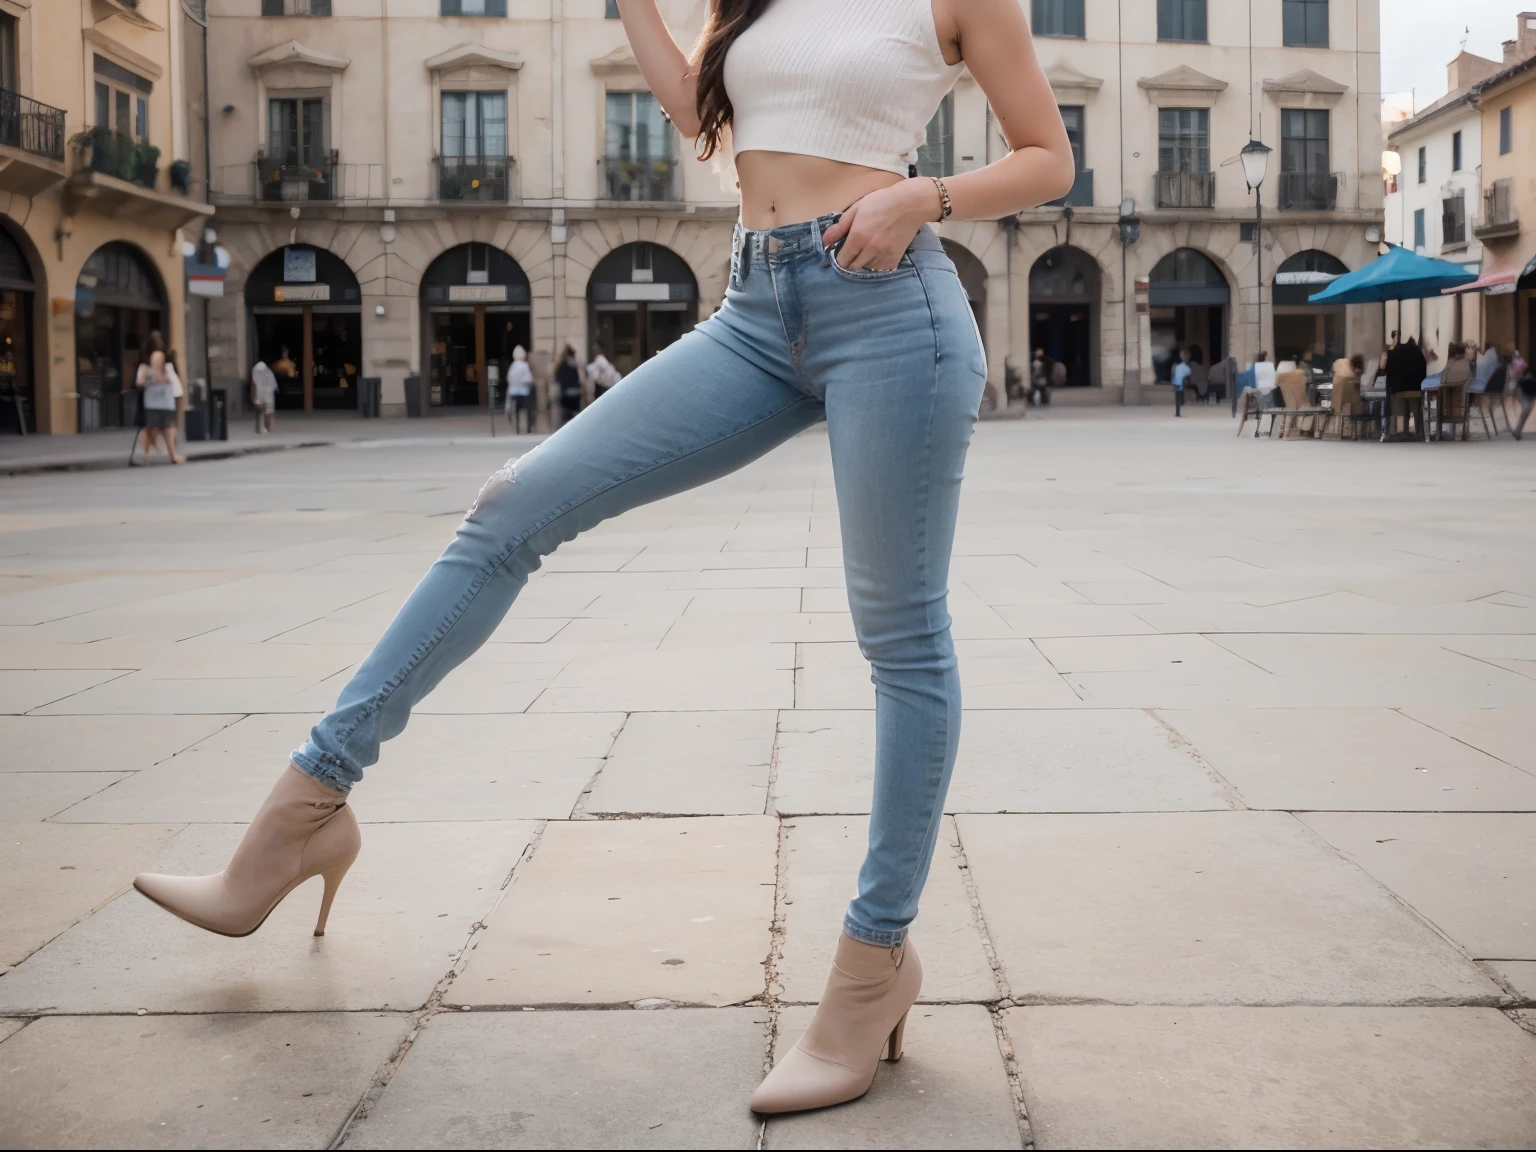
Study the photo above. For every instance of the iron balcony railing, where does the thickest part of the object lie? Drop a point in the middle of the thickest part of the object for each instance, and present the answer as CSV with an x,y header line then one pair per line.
x,y
1499,216
1186,189
474,178
1309,191
643,179
30,126
1081,195
114,154
295,183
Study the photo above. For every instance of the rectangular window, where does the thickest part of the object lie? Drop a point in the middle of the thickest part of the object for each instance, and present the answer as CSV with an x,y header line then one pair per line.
x,y
636,129
1058,18
1423,165
475,125
296,132
1183,140
1304,141
1456,152
611,12
122,99
1181,20
295,7
1072,117
1453,220
474,7
936,156
1305,23
1418,230
9,79
1506,131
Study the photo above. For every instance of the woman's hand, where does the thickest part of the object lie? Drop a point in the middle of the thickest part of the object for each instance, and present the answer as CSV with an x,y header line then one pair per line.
x,y
876,230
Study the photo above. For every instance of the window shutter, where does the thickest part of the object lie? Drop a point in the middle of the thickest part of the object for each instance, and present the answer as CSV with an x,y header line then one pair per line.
x,y
271,7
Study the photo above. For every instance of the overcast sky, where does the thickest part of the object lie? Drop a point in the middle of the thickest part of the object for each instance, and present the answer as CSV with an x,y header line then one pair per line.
x,y
1420,37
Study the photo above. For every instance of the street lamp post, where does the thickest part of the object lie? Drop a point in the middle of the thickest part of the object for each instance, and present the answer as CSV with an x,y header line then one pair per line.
x,y
1255,158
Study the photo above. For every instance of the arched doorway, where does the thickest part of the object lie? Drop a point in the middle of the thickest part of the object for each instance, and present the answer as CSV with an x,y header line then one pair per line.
x,y
973,278
641,298
1305,332
306,322
1189,297
119,301
18,379
1064,312
475,308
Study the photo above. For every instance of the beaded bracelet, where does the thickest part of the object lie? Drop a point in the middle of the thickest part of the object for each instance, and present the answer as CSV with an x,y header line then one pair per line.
x,y
943,198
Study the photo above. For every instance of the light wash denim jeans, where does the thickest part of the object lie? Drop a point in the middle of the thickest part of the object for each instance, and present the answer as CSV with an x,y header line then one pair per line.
x,y
893,363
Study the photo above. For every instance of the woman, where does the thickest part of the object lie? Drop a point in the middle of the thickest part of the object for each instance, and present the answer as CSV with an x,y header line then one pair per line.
x,y
842,307
159,388
519,390
601,372
568,385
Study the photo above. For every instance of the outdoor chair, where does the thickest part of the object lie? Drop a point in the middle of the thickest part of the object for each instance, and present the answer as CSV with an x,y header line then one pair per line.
x,y
1401,405
1348,411
1293,387
1450,410
1258,405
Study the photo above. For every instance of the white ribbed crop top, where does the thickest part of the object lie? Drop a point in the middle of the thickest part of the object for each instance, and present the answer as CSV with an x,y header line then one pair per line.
x,y
849,80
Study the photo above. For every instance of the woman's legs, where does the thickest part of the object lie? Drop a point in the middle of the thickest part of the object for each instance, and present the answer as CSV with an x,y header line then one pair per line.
x,y
696,412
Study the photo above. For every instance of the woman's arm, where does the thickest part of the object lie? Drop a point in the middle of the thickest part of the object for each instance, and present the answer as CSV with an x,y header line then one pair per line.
x,y
662,63
994,40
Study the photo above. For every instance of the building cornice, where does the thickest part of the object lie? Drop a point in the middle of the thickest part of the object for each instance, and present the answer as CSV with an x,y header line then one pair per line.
x,y
1314,87
127,57
473,56
1064,78
620,60
295,53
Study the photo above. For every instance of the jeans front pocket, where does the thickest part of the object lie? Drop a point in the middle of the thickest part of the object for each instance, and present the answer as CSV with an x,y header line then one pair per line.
x,y
904,267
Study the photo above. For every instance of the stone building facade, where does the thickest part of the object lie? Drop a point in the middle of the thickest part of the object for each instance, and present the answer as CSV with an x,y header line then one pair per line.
x,y
93,122
409,187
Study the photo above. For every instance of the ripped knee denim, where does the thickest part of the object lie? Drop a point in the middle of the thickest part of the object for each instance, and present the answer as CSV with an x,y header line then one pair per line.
x,y
893,364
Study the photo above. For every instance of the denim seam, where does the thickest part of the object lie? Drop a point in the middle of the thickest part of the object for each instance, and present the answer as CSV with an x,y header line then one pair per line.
x,y
794,347
443,629
937,817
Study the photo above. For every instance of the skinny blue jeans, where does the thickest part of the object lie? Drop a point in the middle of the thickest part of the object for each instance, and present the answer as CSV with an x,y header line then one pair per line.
x,y
893,363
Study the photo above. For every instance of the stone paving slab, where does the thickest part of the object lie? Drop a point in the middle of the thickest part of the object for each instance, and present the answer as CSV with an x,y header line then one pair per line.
x,y
28,796
1501,732
688,763
1350,759
400,921
949,1090
1025,760
56,875
1109,1077
1469,874
1202,908
821,861
23,690
748,678
623,1079
441,768
616,911
9,1026
1520,975
993,674
237,1081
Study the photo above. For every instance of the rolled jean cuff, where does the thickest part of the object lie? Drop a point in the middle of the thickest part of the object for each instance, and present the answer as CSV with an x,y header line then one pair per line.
x,y
325,769
880,939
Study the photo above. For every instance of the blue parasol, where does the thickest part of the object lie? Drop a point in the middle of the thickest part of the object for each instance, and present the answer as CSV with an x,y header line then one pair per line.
x,y
1399,275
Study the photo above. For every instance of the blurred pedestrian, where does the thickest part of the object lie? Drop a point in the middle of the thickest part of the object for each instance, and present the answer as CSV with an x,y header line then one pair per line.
x,y
263,396
159,390
568,385
519,390
601,372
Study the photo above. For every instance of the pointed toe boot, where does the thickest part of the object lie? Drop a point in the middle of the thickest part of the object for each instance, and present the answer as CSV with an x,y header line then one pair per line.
x,y
862,1016
303,830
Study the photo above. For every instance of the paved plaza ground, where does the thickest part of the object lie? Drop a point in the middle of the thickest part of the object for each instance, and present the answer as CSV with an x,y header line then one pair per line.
x,y
1240,850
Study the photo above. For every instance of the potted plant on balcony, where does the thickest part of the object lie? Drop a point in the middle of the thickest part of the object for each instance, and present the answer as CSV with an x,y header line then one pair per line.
x,y
146,164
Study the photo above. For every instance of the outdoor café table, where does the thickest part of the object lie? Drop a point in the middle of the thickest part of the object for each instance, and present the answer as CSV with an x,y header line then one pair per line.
x,y
1434,392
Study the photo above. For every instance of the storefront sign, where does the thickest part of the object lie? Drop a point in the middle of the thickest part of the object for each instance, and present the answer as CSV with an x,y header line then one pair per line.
x,y
477,294
301,293
637,292
299,266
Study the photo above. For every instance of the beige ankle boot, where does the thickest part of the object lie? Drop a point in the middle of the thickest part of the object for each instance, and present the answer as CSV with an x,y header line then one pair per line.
x,y
863,1012
304,829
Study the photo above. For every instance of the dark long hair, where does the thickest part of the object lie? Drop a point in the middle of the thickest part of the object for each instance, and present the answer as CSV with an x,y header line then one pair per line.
x,y
728,19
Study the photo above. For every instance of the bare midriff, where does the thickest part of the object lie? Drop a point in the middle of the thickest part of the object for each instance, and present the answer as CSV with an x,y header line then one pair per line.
x,y
786,188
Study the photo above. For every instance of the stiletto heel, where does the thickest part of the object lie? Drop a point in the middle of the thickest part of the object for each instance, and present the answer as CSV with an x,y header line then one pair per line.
x,y
898,1034
304,829
862,1015
333,882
